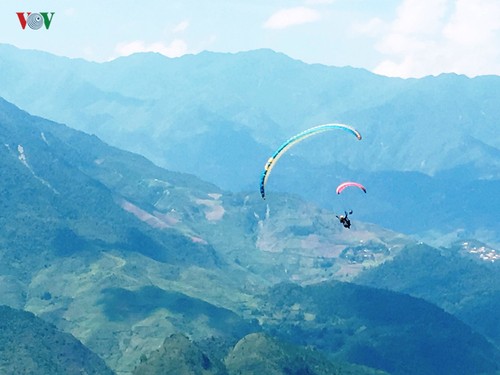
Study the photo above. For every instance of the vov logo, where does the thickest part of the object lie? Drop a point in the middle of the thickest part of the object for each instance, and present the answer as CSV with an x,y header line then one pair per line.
x,y
35,20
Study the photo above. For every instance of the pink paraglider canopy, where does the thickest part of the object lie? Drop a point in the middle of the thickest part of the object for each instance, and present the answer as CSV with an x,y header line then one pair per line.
x,y
344,185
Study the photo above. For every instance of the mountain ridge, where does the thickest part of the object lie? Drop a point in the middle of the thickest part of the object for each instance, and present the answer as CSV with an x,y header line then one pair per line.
x,y
179,112
114,224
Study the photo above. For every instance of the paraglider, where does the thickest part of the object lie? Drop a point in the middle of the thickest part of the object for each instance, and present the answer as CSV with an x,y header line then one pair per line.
x,y
346,184
344,219
294,140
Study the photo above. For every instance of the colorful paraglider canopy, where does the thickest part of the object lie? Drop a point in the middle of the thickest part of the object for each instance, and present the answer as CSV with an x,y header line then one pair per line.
x,y
294,140
347,184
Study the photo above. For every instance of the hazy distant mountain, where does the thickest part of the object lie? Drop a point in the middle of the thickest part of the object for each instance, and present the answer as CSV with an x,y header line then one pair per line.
x,y
160,105
220,116
28,345
122,254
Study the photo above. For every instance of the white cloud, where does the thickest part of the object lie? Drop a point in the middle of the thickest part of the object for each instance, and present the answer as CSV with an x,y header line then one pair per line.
x,y
420,16
292,16
182,26
175,49
429,37
319,2
474,21
374,27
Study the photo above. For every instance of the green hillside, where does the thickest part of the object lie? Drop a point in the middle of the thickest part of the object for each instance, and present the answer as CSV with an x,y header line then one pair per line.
x,y
376,328
179,355
461,279
255,353
260,354
29,345
69,242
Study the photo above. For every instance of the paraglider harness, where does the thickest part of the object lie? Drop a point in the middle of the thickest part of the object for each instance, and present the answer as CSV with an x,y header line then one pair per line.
x,y
344,220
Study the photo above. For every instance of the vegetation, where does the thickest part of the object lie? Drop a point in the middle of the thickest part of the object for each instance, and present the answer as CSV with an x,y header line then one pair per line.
x,y
121,253
381,329
258,354
122,304
458,281
254,354
179,355
29,345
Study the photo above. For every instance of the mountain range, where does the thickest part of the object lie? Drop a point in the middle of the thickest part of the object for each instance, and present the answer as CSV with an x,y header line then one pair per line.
x,y
430,154
123,254
154,269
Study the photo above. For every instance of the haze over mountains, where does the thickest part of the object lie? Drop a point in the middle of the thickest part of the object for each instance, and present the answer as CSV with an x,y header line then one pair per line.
x,y
122,254
139,262
430,155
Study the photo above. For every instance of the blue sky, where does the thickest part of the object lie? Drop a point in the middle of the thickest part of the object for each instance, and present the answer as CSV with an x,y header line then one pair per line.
x,y
405,38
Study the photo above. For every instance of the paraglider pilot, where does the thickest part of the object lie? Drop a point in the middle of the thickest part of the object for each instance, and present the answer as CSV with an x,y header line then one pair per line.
x,y
344,219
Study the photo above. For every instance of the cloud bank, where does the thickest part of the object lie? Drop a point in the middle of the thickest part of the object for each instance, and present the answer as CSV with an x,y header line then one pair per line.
x,y
429,37
291,16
